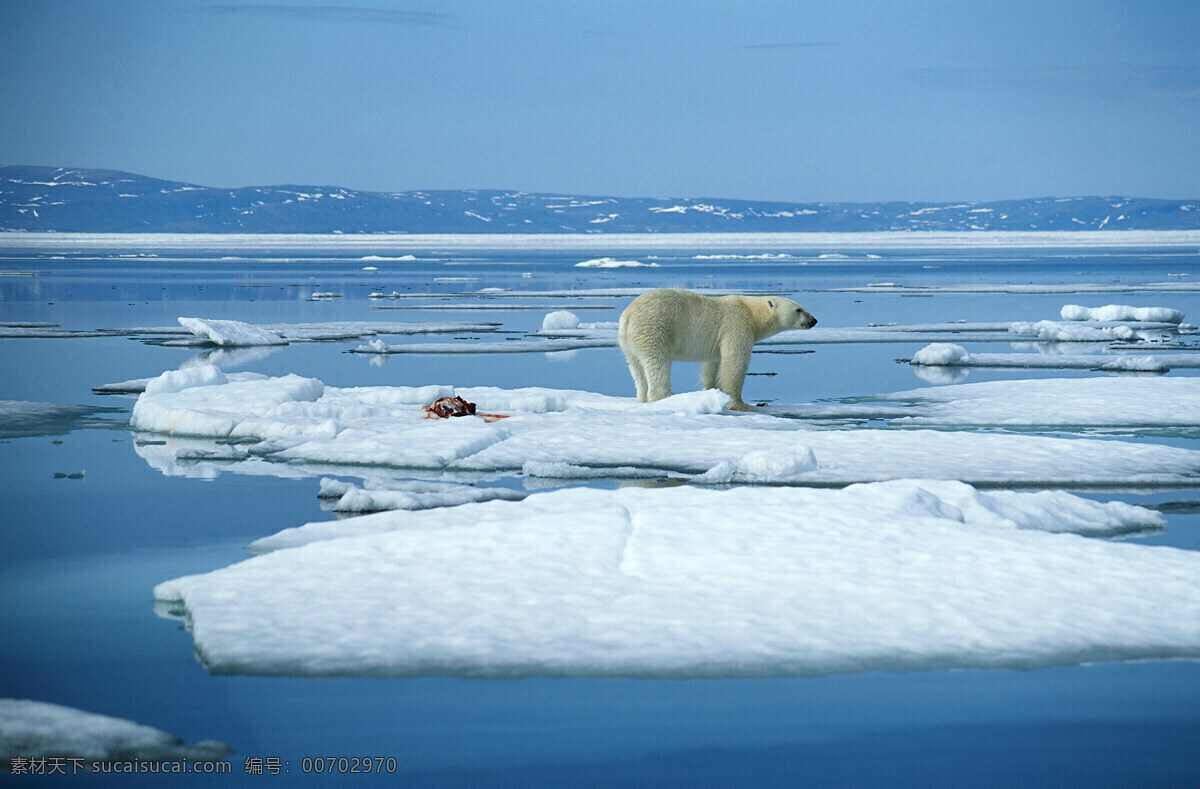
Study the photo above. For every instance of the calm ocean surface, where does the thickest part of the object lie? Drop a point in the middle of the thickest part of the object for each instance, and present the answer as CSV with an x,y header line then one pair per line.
x,y
80,556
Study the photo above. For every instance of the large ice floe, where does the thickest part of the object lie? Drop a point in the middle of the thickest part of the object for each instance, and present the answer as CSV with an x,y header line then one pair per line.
x,y
692,582
554,433
1100,404
38,730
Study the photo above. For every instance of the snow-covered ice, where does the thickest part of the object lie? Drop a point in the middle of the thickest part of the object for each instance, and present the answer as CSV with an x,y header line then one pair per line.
x,y
941,354
379,494
951,355
560,319
1104,404
614,263
1081,287
231,333
37,729
1077,331
1120,312
301,421
687,582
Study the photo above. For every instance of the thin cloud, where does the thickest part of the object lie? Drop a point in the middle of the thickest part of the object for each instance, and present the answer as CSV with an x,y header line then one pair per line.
x,y
328,13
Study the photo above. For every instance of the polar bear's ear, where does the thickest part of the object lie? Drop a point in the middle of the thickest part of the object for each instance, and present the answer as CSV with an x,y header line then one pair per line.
x,y
771,304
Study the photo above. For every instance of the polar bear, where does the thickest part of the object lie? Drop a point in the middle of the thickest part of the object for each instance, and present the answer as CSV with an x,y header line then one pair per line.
x,y
660,326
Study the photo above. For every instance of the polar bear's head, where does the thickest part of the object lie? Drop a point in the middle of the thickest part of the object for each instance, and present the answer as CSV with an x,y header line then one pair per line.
x,y
787,314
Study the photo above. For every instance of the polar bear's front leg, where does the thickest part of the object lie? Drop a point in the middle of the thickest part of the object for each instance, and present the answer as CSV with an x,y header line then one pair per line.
x,y
709,371
657,368
731,374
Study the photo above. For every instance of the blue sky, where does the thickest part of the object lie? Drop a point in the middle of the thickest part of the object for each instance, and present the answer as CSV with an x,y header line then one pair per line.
x,y
797,101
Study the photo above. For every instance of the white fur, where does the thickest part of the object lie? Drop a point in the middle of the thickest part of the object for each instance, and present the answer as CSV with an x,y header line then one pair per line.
x,y
661,326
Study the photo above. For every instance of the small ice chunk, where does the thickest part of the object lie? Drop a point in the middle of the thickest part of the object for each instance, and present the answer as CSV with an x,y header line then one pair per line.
x,y
560,319
1120,312
708,401
1136,364
231,333
614,263
1055,331
762,466
941,354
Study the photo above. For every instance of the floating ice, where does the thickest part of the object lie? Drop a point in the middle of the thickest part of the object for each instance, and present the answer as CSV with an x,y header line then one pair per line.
x,y
950,355
941,354
178,400
1136,364
564,332
1073,331
1118,312
236,334
560,319
762,466
614,263
509,346
1116,405
379,494
53,330
178,380
687,582
138,385
36,729
298,420
1082,287
231,333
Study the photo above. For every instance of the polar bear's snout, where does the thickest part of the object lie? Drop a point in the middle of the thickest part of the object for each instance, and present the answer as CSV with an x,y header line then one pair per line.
x,y
786,314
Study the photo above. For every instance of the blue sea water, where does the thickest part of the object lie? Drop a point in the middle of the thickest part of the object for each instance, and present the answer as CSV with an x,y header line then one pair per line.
x,y
80,556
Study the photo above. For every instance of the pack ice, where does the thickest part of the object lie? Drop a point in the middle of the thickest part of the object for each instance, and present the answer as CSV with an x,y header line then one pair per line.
x,y
694,582
953,355
564,433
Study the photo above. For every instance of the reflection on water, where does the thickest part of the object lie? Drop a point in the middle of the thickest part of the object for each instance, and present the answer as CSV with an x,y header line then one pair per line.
x,y
80,556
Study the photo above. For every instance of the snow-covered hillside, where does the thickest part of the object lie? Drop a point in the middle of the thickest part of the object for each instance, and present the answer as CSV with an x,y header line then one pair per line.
x,y
105,201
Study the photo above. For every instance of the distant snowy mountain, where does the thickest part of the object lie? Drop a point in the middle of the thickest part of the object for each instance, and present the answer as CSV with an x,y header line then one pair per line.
x,y
105,201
